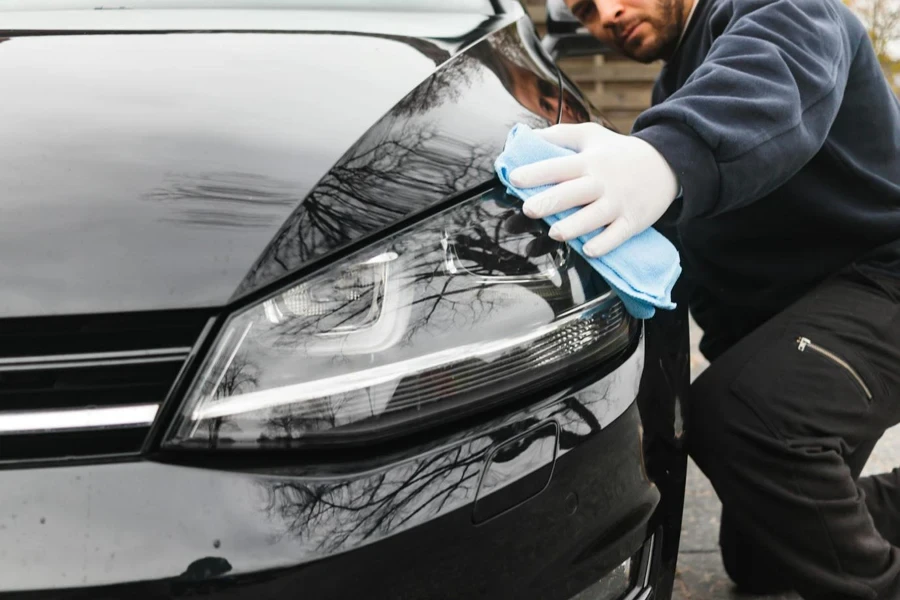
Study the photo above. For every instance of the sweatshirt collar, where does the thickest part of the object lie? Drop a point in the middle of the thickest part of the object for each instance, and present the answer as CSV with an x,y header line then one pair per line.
x,y
687,24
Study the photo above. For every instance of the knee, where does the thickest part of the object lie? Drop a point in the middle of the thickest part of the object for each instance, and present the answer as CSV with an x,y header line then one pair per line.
x,y
750,568
749,576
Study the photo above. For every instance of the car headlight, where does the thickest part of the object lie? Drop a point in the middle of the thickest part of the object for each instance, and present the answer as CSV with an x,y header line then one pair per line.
x,y
469,308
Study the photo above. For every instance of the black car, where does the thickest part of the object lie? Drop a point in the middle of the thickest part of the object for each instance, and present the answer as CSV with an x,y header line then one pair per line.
x,y
271,328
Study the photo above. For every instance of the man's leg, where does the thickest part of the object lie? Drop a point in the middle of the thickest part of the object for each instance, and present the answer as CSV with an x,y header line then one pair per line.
x,y
883,499
752,568
774,424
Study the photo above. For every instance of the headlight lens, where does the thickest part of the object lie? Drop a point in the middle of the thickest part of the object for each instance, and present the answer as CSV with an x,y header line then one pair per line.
x,y
455,314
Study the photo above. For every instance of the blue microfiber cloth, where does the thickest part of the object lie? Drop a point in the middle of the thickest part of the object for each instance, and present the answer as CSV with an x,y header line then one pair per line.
x,y
642,271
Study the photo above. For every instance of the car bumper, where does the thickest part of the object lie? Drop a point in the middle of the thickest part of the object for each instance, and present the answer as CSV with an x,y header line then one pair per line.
x,y
544,501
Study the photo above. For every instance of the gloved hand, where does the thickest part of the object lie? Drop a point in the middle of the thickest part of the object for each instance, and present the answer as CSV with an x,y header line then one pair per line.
x,y
623,183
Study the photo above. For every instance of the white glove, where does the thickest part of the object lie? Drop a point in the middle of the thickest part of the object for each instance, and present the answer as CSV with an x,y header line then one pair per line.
x,y
623,183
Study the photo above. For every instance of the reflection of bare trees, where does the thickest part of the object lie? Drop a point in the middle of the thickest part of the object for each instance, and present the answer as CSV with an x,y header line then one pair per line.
x,y
575,414
242,376
408,161
447,84
331,515
454,271
284,426
485,249
401,164
405,163
339,515
487,240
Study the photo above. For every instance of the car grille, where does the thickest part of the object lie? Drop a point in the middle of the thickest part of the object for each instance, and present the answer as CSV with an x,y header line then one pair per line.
x,y
85,386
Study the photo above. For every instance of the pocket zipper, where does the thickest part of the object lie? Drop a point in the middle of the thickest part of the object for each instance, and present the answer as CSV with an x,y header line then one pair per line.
x,y
804,343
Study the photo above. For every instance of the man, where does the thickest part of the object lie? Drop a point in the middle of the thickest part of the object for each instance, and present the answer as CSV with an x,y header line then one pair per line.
x,y
773,146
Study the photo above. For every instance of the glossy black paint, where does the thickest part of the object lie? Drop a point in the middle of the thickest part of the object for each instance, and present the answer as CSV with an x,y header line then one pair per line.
x,y
508,477
438,141
151,171
399,525
219,201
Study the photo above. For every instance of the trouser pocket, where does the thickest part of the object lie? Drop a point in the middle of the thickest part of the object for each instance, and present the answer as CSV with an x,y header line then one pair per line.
x,y
805,383
804,344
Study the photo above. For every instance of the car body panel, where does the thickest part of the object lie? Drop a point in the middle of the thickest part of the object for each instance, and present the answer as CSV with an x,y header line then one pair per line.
x,y
438,141
251,191
264,530
275,517
146,176
134,185
220,161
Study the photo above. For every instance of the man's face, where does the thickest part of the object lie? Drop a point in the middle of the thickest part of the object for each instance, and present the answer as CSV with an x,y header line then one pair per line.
x,y
645,30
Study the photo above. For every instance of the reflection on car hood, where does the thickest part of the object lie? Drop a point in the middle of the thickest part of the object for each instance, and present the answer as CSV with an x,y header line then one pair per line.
x,y
159,171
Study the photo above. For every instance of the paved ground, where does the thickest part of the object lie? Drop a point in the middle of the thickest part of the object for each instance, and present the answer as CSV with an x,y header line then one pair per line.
x,y
700,573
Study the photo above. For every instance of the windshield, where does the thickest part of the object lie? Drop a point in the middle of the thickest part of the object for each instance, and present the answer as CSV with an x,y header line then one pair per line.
x,y
444,6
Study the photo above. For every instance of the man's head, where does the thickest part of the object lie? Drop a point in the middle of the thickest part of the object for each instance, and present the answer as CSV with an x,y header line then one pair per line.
x,y
645,30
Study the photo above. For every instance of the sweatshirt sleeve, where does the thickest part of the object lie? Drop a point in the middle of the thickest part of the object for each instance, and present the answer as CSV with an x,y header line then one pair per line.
x,y
760,105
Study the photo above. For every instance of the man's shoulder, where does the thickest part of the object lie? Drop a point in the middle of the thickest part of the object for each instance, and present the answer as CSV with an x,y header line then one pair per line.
x,y
794,17
728,10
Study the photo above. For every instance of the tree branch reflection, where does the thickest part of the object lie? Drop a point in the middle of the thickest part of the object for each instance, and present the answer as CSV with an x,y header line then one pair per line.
x,y
331,516
340,515
409,160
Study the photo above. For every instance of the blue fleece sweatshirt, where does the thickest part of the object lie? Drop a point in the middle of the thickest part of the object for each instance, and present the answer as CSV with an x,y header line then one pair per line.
x,y
777,119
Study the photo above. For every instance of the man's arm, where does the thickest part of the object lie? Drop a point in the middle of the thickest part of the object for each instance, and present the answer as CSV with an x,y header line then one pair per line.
x,y
758,108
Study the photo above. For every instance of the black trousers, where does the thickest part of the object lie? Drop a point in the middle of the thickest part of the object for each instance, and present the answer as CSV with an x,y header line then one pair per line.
x,y
783,423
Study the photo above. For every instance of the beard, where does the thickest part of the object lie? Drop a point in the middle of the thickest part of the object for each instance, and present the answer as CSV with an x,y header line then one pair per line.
x,y
666,23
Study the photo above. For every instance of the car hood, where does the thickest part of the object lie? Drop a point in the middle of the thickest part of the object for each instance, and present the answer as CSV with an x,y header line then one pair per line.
x,y
153,170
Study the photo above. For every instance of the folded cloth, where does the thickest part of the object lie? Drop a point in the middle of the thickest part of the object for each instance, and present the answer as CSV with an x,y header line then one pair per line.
x,y
642,271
